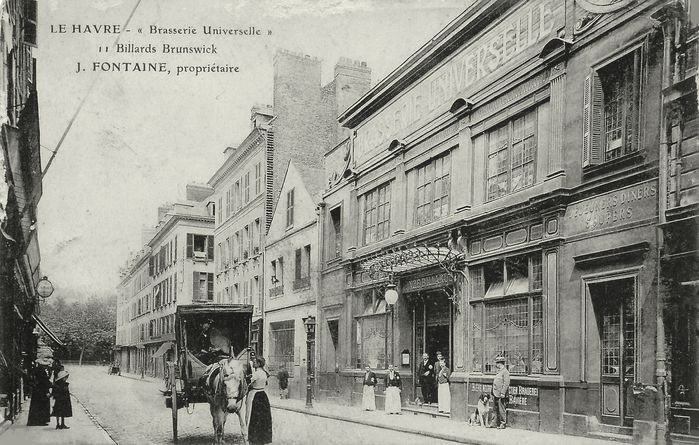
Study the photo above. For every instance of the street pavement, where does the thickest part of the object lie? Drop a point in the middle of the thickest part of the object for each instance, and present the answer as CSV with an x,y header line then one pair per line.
x,y
132,411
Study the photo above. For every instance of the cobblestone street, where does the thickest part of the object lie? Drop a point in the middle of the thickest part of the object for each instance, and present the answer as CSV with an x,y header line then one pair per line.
x,y
133,412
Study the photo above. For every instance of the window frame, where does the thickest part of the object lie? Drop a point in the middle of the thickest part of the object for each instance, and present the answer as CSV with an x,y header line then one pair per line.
x,y
290,202
373,207
425,207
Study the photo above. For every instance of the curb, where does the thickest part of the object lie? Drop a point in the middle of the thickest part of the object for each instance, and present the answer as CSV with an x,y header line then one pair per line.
x,y
94,420
368,422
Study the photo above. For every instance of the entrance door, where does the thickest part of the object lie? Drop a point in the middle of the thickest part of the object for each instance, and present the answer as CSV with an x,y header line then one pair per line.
x,y
614,308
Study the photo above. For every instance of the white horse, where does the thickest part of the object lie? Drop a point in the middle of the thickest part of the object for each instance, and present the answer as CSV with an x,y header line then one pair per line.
x,y
226,389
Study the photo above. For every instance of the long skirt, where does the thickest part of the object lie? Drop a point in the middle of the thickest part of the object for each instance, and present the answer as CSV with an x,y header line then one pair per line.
x,y
260,419
444,398
368,398
392,400
39,409
62,407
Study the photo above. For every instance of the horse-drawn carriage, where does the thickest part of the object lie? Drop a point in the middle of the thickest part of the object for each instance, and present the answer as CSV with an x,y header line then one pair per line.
x,y
208,338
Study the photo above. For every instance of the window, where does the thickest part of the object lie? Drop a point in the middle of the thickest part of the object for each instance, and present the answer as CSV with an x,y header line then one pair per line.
x,y
203,286
200,247
433,186
246,242
238,248
507,317
370,335
335,233
281,337
290,208
174,289
231,199
228,203
247,187
377,214
256,237
302,278
220,207
236,196
612,102
258,178
511,155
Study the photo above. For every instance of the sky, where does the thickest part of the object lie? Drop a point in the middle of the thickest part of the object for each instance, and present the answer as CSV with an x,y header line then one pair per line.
x,y
140,137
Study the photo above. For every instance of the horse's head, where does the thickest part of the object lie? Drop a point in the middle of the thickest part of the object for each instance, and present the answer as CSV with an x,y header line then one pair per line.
x,y
234,385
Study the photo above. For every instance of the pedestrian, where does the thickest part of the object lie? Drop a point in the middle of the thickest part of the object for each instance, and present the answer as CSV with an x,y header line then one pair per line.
x,y
368,395
393,388
40,405
62,406
435,384
257,403
283,378
501,386
426,378
56,367
443,394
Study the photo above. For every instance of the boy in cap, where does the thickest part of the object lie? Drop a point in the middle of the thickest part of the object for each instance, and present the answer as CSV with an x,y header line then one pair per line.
x,y
501,384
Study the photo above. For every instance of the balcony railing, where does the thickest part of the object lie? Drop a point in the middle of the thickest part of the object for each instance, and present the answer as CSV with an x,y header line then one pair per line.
x,y
302,283
276,291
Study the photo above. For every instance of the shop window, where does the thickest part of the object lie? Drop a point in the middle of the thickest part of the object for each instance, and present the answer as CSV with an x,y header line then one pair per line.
x,y
377,214
335,233
281,338
371,331
507,316
433,189
511,156
612,103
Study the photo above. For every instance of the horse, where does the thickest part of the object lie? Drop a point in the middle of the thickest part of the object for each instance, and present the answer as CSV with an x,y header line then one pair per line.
x,y
226,389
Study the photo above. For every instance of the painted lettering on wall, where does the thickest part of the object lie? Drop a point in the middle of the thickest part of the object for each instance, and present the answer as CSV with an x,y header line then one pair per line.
x,y
426,282
531,24
629,204
518,395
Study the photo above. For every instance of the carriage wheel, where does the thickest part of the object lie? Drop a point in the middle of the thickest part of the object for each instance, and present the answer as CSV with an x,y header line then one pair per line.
x,y
173,391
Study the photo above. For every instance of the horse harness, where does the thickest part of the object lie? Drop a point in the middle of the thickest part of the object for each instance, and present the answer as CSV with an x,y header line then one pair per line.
x,y
220,390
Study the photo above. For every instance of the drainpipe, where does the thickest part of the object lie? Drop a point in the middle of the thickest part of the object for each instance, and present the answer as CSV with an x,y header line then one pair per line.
x,y
320,226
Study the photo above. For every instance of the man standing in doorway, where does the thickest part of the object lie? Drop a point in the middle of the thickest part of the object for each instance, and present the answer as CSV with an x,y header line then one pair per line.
x,y
425,378
501,385
437,366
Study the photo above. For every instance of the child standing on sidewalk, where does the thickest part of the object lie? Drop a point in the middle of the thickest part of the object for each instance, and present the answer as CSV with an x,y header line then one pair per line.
x,y
62,407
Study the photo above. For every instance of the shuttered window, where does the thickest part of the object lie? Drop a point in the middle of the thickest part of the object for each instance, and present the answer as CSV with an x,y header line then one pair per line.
x,y
611,110
290,208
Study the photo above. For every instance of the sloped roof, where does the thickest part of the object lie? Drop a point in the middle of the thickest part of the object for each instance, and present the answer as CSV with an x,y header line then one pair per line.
x,y
313,178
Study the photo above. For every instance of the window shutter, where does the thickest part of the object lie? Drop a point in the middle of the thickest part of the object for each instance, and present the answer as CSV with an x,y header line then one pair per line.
x,y
174,289
210,286
150,266
174,252
210,247
195,286
190,245
593,106
298,264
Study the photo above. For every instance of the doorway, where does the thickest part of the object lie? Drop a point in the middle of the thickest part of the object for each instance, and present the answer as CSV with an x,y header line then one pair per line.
x,y
614,306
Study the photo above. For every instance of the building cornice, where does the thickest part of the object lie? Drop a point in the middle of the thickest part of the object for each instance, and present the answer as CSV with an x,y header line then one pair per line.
x,y
253,140
162,232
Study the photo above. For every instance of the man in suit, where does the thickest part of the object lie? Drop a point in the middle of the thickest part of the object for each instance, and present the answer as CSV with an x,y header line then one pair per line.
x,y
435,393
501,386
425,373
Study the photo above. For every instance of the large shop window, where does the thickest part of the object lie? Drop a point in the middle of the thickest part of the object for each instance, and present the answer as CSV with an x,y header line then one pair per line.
x,y
281,337
511,155
433,189
506,314
371,331
611,102
377,214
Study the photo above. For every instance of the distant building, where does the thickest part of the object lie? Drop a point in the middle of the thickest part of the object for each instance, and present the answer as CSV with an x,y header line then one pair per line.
x,y
175,267
291,269
300,125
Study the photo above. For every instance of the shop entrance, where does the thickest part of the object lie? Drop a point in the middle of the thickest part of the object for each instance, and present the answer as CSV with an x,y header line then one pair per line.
x,y
433,327
614,307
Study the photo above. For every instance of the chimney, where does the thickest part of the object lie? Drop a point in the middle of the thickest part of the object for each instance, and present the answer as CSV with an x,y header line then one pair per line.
x,y
198,192
147,234
352,81
260,115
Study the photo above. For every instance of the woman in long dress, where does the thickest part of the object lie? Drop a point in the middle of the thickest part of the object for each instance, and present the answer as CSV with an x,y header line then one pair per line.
x,y
444,396
257,403
393,387
368,395
40,405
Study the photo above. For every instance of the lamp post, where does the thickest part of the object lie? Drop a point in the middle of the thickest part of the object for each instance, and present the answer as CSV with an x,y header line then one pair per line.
x,y
310,324
391,297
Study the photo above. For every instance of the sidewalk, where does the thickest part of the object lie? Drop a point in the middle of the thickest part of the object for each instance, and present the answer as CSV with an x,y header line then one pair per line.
x,y
83,430
439,428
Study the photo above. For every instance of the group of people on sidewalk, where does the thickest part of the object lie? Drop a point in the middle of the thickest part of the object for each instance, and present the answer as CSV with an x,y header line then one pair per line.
x,y
438,372
43,390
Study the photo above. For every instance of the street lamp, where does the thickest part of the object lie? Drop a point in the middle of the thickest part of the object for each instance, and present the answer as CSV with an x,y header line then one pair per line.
x,y
391,297
310,324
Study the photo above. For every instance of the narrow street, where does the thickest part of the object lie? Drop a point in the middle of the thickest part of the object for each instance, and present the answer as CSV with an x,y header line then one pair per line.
x,y
133,412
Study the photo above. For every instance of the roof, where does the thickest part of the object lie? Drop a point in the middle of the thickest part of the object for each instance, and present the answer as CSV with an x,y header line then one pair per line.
x,y
313,178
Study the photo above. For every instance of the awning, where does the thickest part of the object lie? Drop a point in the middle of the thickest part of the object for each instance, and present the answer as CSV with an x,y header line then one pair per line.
x,y
46,330
408,259
163,349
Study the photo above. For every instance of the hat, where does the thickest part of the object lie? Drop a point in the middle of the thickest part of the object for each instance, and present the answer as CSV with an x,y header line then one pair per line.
x,y
499,359
62,375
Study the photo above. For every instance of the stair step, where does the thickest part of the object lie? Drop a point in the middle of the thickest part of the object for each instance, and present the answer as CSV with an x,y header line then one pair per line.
x,y
614,429
684,439
625,438
425,410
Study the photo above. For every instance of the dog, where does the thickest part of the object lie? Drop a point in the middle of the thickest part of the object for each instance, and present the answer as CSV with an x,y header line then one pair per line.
x,y
418,401
482,415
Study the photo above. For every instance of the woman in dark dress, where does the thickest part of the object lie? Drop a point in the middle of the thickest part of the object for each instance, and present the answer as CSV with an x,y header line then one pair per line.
x,y
259,412
62,407
40,405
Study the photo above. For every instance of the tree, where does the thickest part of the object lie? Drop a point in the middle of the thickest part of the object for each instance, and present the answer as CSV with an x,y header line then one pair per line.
x,y
87,327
